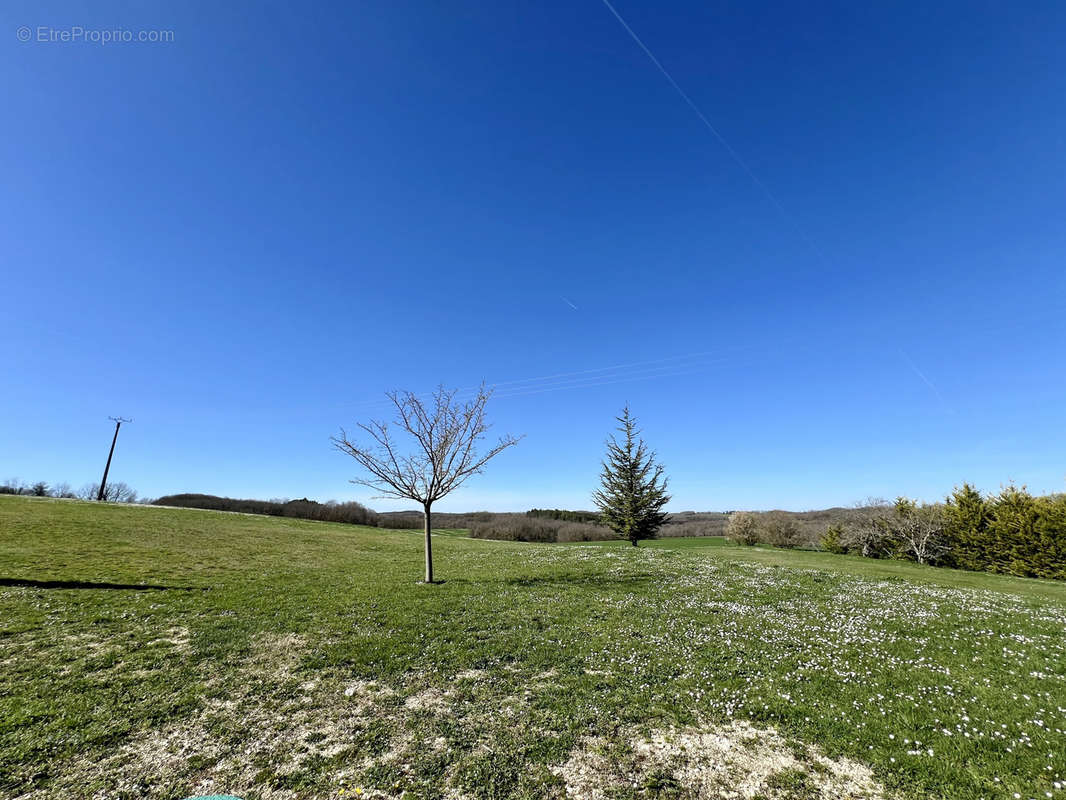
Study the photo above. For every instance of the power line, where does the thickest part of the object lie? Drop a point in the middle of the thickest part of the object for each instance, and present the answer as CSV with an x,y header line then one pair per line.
x,y
647,373
577,379
647,362
693,370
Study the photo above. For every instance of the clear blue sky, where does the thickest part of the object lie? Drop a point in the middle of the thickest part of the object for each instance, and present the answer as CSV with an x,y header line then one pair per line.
x,y
241,237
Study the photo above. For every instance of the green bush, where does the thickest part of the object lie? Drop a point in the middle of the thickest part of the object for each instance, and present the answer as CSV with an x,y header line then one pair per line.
x,y
832,539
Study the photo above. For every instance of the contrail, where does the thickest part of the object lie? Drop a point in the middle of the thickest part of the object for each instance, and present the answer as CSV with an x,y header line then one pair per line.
x,y
925,380
570,304
740,162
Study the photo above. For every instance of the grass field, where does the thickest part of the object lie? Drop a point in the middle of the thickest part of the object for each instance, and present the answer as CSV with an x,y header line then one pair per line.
x,y
153,652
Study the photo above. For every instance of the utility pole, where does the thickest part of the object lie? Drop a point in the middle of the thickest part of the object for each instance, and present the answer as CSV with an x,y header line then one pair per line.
x,y
103,484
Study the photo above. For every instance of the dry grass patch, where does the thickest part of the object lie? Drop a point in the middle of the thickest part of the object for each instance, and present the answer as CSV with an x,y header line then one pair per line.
x,y
177,637
255,734
433,700
736,761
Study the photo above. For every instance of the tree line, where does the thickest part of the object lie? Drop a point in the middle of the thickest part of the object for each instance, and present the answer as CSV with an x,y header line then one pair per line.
x,y
349,512
529,527
117,492
1011,532
536,528
564,515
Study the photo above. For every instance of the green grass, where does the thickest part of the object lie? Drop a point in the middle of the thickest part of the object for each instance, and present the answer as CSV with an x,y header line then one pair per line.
x,y
672,543
283,658
857,565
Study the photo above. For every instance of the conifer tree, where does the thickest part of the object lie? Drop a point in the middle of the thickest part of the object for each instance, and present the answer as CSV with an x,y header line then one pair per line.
x,y
968,517
633,489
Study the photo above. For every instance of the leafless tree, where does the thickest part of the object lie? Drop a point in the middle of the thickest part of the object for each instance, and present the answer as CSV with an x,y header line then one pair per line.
x,y
779,529
113,493
120,493
869,531
14,486
446,431
919,529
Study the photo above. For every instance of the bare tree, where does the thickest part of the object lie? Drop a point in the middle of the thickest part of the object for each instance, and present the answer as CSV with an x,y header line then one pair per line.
x,y
120,493
779,529
113,493
447,432
869,531
919,530
14,486
87,492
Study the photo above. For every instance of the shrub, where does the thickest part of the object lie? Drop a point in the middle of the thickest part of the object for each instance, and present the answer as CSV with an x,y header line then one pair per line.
x,y
832,539
522,528
779,529
742,528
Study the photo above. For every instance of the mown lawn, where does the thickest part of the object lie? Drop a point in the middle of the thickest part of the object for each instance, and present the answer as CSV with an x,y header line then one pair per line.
x,y
158,652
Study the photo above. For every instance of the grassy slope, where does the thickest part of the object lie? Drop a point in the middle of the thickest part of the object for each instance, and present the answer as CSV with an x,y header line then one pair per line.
x,y
253,666
856,565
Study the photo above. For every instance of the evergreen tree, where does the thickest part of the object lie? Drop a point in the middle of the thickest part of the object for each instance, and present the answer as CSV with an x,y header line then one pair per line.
x,y
968,518
1050,556
1014,531
832,539
633,489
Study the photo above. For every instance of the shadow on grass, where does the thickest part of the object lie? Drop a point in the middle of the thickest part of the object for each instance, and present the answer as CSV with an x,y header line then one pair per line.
x,y
138,587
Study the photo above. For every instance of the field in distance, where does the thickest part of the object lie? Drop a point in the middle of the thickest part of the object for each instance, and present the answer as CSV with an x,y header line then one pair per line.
x,y
163,652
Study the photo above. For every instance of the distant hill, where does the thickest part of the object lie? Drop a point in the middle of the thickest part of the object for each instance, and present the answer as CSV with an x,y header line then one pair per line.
x,y
350,512
533,525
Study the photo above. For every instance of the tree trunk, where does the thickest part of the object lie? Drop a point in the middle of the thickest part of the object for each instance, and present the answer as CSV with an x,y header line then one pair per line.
x,y
429,546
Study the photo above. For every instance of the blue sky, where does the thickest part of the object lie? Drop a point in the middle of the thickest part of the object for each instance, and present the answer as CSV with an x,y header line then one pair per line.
x,y
242,237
